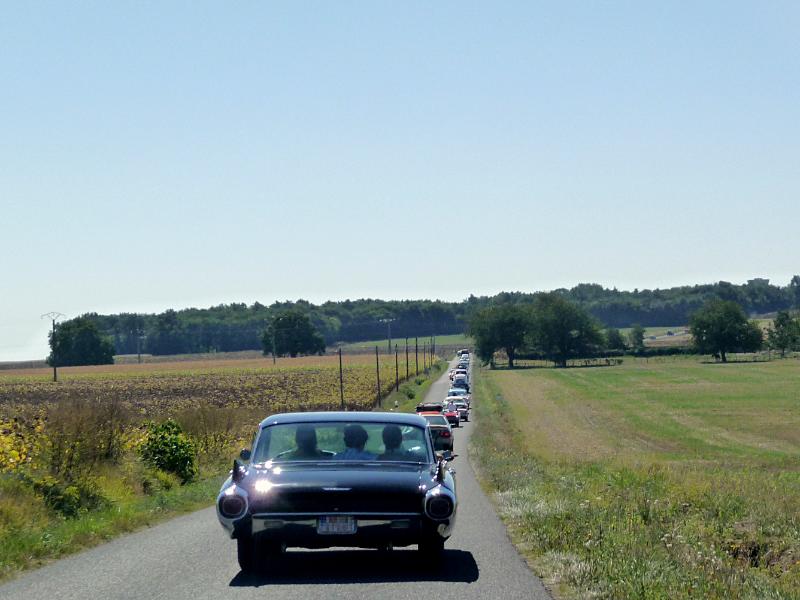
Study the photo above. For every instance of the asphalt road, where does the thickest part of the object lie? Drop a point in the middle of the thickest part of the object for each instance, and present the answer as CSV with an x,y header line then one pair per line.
x,y
189,557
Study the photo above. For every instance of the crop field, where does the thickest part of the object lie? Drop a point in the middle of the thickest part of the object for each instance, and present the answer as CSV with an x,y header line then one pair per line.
x,y
72,466
299,383
657,479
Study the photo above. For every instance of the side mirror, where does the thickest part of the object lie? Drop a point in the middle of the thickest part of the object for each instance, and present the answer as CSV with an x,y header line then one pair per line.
x,y
440,472
245,454
237,473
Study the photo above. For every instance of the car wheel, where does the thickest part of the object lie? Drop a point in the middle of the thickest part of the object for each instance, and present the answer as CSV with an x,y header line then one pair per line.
x,y
246,553
431,547
254,553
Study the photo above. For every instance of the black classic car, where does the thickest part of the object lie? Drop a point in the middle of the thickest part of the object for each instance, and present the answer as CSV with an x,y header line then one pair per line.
x,y
352,479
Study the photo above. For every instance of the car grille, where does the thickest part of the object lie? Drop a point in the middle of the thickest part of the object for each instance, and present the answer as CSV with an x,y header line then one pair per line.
x,y
338,501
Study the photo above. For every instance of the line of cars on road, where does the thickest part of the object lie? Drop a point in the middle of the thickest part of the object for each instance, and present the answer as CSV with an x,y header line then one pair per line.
x,y
445,414
351,479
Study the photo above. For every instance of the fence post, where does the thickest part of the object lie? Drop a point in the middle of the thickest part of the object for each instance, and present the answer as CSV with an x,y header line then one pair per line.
x,y
396,371
416,355
378,375
341,379
406,358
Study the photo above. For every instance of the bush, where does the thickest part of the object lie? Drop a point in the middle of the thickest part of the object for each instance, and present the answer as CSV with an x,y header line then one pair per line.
x,y
69,499
408,390
168,448
79,433
155,480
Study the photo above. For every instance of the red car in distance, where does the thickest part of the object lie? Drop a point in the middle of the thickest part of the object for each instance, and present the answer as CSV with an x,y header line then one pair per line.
x,y
450,412
440,430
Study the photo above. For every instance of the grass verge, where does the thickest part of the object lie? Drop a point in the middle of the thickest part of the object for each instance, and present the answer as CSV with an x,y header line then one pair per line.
x,y
601,528
31,534
413,391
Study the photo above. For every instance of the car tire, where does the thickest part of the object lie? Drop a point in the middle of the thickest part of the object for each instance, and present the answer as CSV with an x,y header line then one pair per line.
x,y
253,553
247,554
431,547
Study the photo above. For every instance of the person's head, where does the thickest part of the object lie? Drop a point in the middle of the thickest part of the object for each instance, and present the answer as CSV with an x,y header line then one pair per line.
x,y
355,436
392,437
306,438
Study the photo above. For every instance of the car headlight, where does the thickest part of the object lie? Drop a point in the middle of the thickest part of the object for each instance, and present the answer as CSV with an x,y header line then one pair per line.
x,y
232,505
439,507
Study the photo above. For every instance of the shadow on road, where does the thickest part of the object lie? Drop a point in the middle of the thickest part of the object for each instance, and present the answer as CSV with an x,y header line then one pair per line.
x,y
361,566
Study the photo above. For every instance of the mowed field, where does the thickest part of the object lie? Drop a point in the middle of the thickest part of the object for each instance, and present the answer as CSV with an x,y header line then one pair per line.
x,y
674,410
659,479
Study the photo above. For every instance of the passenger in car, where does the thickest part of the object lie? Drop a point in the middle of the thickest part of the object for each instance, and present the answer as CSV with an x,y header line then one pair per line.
x,y
392,440
355,438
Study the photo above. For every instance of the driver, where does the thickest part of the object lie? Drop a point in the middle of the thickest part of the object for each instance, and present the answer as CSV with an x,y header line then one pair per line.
x,y
355,438
306,439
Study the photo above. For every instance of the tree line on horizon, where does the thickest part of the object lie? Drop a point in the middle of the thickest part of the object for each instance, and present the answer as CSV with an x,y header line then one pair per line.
x,y
237,326
555,329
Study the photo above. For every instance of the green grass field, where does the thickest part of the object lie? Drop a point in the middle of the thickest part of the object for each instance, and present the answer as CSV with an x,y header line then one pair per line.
x,y
442,341
672,479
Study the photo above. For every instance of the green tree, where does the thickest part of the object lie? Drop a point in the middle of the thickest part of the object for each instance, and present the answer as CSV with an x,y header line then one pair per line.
x,y
292,333
721,326
501,327
636,338
79,342
615,339
794,289
784,333
563,330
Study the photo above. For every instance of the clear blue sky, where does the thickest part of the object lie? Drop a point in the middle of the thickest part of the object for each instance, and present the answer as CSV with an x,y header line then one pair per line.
x,y
159,155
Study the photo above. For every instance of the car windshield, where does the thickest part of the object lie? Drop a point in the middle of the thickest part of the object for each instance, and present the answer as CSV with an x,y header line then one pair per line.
x,y
342,441
436,419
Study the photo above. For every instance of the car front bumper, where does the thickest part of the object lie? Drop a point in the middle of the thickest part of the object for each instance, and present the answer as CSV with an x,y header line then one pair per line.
x,y
373,530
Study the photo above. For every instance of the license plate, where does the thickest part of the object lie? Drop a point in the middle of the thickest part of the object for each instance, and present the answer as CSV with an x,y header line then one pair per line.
x,y
336,525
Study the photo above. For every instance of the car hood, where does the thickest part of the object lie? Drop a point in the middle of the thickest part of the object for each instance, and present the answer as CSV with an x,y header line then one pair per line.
x,y
328,486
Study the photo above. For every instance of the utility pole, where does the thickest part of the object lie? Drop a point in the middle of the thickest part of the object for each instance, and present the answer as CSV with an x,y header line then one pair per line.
x,y
341,379
274,360
378,374
396,371
388,334
140,337
54,316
